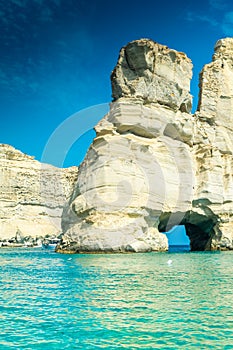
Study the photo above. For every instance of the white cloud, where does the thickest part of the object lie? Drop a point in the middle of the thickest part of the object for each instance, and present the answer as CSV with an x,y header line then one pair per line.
x,y
208,19
194,17
218,4
57,2
227,24
20,3
46,14
45,2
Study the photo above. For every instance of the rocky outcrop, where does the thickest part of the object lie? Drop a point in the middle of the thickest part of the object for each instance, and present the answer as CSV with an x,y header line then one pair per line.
x,y
154,165
153,73
213,145
32,196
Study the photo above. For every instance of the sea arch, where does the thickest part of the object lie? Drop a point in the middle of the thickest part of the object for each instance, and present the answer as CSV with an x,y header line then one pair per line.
x,y
200,228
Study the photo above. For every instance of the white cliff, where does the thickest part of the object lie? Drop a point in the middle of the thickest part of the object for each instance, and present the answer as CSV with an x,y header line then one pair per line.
x,y
154,165
32,195
213,144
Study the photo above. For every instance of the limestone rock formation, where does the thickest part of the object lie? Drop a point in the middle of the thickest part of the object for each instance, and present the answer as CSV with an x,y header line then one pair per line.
x,y
213,144
32,196
150,72
154,165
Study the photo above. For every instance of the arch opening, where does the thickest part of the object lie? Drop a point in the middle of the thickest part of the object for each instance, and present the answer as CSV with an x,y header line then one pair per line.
x,y
178,240
201,228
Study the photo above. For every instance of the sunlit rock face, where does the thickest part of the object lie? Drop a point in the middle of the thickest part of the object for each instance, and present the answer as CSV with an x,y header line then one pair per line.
x,y
213,143
154,165
150,72
32,195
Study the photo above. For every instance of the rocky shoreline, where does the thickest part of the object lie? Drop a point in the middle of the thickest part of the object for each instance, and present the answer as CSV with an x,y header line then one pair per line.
x,y
29,242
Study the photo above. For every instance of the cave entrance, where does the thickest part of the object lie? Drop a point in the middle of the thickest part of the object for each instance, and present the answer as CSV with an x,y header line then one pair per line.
x,y
200,227
178,241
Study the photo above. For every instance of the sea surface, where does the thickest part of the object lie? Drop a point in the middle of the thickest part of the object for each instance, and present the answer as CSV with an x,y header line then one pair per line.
x,y
174,300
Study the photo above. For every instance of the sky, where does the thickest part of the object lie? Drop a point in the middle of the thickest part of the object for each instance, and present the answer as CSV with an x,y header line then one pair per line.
x,y
56,58
177,236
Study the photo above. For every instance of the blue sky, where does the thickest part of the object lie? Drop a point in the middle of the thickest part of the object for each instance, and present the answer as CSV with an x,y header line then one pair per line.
x,y
57,56
177,236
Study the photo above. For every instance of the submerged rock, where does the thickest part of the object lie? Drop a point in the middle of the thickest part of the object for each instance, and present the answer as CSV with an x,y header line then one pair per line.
x,y
32,196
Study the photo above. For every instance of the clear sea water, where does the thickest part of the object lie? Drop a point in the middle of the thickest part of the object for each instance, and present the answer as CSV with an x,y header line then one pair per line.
x,y
132,301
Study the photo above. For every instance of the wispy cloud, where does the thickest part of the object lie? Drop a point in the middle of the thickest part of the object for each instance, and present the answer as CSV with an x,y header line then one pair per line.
x,y
24,3
40,53
12,10
218,4
227,24
194,17
44,2
20,3
46,14
219,16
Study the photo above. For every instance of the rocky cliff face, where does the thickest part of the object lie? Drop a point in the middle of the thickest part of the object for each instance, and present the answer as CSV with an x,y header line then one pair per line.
x,y
32,195
154,165
213,145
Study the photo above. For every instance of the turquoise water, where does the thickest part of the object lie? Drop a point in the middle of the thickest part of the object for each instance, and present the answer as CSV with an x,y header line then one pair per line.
x,y
133,301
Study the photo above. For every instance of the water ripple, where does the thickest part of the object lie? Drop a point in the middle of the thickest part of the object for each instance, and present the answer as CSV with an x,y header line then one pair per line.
x,y
52,301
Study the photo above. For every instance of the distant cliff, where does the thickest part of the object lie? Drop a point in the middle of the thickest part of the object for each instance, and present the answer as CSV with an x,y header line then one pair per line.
x,y
154,165
32,196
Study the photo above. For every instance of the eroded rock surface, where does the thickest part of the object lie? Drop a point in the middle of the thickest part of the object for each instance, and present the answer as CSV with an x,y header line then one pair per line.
x,y
213,144
151,72
32,196
154,165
